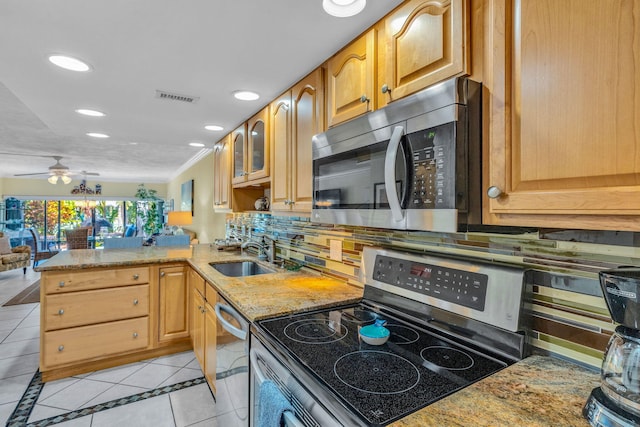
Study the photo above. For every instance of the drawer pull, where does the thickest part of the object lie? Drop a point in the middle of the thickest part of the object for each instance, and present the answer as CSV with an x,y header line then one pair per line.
x,y
60,348
136,276
61,312
61,284
135,301
135,335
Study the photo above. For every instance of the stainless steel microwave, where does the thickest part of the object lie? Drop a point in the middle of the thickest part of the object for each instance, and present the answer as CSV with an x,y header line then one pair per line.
x,y
412,165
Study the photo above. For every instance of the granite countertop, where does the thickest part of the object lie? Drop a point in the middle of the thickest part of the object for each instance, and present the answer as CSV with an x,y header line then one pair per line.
x,y
537,391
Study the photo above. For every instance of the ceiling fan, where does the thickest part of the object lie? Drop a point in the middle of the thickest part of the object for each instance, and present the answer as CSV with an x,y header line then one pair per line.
x,y
57,171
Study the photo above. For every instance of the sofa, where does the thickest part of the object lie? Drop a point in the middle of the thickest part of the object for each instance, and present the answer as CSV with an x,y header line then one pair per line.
x,y
20,256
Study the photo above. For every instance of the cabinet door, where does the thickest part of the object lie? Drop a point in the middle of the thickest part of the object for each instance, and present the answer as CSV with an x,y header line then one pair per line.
x,y
173,294
222,174
197,325
239,166
562,80
280,154
210,342
425,44
307,120
351,79
258,146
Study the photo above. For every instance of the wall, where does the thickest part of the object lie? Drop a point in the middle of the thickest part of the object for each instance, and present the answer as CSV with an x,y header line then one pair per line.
x,y
569,315
206,224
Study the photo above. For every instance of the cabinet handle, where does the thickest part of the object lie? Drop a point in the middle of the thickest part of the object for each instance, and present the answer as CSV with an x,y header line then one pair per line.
x,y
136,276
61,284
60,347
135,301
364,99
162,274
61,312
386,89
135,335
245,173
494,192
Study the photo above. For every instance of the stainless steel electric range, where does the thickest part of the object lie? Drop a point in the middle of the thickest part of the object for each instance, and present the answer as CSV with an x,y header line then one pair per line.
x,y
452,323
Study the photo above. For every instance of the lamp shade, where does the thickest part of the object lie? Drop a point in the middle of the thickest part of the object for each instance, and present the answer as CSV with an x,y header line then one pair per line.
x,y
179,218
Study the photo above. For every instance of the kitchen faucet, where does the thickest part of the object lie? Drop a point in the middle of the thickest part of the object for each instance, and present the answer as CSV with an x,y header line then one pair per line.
x,y
266,250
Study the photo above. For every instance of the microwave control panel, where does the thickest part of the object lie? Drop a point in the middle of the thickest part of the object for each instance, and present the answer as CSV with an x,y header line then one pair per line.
x,y
465,288
434,169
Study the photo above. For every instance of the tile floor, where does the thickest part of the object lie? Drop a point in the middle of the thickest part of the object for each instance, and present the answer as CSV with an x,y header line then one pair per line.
x,y
179,397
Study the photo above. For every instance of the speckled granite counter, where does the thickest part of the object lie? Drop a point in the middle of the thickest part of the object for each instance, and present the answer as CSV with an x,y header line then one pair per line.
x,y
538,391
257,297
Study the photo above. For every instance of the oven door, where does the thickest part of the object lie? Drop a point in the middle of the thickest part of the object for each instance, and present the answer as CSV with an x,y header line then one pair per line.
x,y
364,180
308,411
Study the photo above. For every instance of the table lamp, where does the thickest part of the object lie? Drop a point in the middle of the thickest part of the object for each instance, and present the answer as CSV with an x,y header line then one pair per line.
x,y
178,219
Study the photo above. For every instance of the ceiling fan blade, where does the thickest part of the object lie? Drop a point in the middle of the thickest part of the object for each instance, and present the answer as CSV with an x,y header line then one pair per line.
x,y
29,155
29,174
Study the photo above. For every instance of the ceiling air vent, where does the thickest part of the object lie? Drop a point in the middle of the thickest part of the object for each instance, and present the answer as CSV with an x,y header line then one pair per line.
x,y
172,96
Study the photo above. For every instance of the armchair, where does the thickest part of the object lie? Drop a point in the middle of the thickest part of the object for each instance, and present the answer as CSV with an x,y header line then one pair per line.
x,y
40,253
20,256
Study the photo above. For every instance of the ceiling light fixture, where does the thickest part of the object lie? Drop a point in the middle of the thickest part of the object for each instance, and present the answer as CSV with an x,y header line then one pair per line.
x,y
69,63
196,144
245,95
92,113
97,135
53,179
213,127
343,8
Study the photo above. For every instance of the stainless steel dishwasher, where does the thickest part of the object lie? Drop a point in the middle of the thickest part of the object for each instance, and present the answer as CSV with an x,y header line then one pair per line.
x,y
232,366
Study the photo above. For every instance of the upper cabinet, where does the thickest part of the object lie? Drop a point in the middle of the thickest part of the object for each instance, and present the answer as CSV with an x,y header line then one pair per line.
x,y
562,113
251,151
222,174
351,80
295,117
424,42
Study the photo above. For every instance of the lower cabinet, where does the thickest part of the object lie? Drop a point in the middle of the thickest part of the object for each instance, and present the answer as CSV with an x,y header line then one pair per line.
x,y
173,296
204,326
210,342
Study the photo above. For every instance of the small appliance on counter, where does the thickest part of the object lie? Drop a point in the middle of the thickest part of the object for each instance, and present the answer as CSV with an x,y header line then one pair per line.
x,y
617,401
227,244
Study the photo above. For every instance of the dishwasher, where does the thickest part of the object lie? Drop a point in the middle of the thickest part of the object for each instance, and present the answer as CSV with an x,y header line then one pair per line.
x,y
232,365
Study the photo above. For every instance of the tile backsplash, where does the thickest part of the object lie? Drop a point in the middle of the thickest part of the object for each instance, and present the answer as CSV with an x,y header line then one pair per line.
x,y
569,314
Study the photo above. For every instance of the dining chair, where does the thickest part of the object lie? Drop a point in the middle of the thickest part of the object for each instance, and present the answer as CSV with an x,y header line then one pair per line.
x,y
122,242
179,240
40,252
78,238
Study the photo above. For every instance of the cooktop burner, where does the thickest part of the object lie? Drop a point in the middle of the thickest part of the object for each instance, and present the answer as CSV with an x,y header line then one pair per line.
x,y
414,366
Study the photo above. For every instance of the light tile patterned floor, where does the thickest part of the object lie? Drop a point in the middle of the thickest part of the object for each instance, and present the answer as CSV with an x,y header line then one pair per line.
x,y
167,391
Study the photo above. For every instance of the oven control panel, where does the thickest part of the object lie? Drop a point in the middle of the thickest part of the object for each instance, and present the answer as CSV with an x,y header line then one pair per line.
x,y
466,288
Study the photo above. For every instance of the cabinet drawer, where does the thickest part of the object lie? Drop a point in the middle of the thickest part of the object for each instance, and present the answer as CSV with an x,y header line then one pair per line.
x,y
55,283
89,342
89,307
197,281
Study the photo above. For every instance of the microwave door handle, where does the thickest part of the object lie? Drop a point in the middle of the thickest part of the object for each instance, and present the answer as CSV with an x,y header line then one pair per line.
x,y
238,333
390,173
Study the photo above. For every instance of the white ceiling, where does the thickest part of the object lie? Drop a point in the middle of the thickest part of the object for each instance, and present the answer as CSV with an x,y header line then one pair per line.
x,y
201,48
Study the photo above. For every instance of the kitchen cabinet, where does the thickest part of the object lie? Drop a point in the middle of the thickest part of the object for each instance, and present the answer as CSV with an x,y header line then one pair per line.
x,y
562,112
204,326
296,116
222,175
424,42
210,342
173,294
196,283
251,151
351,80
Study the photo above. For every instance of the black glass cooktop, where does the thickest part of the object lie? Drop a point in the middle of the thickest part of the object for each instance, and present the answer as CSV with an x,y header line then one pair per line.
x,y
381,383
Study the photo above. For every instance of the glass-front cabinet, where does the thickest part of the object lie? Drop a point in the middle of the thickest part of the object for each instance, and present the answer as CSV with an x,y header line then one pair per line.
x,y
251,151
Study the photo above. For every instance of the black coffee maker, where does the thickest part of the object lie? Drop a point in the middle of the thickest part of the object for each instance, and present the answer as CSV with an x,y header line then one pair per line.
x,y
616,403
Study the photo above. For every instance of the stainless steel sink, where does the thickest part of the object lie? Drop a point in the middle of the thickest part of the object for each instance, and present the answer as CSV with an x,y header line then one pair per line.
x,y
240,268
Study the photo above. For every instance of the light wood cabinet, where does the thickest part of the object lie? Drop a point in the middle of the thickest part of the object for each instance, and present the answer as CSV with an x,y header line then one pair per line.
x,y
295,117
222,174
173,294
425,42
204,326
562,114
351,80
197,284
83,280
210,343
251,151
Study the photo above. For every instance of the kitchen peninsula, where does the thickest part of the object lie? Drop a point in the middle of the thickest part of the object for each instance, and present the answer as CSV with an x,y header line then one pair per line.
x,y
537,391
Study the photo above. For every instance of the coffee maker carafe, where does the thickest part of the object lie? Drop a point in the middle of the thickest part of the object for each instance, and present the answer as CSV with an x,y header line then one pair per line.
x,y
616,402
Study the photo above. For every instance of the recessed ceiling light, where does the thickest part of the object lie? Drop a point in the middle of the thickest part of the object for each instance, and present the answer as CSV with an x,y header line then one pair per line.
x,y
92,113
213,127
343,8
133,143
69,63
246,95
196,144
97,135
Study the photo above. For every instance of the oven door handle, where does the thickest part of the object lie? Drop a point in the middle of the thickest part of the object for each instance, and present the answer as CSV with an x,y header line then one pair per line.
x,y
390,173
238,333
290,419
